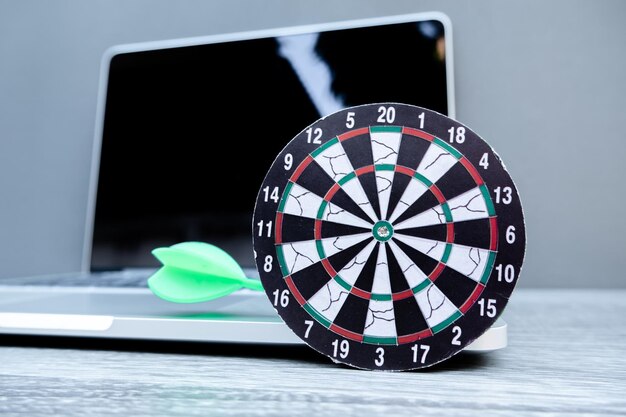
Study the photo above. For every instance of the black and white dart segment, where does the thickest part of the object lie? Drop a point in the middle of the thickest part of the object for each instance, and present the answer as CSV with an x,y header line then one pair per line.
x,y
388,236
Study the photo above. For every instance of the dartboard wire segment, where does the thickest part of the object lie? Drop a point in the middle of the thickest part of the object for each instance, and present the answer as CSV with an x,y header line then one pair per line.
x,y
388,236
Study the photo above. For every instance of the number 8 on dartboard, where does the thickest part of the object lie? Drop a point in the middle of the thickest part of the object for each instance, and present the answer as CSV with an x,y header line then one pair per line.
x,y
388,236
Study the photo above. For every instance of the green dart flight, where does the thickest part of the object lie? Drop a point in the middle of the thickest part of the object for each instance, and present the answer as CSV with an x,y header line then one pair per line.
x,y
194,272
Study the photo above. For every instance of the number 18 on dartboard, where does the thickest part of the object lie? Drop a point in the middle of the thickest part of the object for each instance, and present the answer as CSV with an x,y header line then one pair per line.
x,y
388,236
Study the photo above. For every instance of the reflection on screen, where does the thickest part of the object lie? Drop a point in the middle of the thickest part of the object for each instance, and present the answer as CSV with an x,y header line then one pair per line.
x,y
162,178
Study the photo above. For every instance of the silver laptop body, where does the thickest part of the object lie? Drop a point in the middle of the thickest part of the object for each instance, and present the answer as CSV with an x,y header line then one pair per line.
x,y
109,297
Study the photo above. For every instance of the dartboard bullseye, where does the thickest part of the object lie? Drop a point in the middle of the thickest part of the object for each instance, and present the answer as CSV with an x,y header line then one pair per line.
x,y
388,236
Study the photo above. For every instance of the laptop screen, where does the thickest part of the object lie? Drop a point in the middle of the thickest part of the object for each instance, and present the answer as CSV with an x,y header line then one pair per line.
x,y
189,132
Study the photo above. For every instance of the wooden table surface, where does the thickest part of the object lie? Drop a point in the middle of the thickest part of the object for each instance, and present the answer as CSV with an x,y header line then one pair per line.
x,y
566,356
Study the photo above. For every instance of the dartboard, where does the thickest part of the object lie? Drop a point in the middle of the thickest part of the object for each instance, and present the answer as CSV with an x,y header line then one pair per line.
x,y
388,236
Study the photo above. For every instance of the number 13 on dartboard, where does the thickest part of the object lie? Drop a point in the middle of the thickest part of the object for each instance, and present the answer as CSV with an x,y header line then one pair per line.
x,y
388,236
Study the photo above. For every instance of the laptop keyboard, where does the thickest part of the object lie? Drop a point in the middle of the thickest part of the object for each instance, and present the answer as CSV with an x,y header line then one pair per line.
x,y
130,278
127,278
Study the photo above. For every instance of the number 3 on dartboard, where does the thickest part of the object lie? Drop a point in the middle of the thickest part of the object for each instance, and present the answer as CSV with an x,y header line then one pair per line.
x,y
380,360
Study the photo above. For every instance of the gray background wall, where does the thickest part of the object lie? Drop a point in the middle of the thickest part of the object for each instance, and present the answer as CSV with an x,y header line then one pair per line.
x,y
543,82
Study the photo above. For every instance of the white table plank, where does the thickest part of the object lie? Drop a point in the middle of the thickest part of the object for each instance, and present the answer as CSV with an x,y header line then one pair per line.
x,y
566,356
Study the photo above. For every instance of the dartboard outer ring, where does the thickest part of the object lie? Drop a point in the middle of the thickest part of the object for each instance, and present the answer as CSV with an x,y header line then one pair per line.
x,y
398,258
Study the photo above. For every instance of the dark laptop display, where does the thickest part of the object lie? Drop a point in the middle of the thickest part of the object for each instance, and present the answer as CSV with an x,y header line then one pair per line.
x,y
164,175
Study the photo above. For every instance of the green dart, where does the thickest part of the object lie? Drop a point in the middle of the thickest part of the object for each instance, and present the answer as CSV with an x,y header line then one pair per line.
x,y
194,272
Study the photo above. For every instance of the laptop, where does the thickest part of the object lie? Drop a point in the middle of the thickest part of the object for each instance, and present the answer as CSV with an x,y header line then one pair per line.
x,y
158,179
